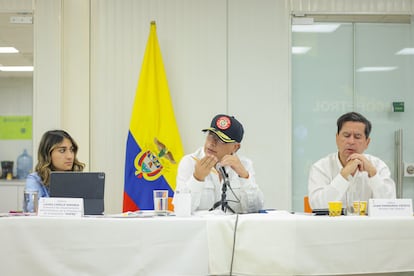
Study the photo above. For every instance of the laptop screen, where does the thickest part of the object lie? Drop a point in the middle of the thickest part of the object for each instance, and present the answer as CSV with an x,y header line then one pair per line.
x,y
87,185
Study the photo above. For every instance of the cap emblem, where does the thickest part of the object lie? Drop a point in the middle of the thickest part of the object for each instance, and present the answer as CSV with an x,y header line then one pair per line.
x,y
223,123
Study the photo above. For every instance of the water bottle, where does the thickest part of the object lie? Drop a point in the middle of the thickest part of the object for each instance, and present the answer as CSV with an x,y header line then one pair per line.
x,y
24,165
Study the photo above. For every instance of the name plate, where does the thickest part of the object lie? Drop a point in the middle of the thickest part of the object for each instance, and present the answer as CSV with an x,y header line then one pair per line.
x,y
400,207
60,207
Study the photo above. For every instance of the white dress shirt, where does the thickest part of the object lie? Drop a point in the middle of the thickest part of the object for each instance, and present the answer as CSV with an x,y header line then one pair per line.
x,y
327,184
244,195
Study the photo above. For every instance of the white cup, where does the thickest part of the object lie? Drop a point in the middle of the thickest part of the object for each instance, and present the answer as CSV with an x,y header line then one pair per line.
x,y
30,201
182,204
160,201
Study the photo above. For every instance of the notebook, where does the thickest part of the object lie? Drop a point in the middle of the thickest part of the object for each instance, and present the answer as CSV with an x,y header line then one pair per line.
x,y
87,185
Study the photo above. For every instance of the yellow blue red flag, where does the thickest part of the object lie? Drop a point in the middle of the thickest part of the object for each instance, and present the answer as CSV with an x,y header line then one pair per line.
x,y
153,147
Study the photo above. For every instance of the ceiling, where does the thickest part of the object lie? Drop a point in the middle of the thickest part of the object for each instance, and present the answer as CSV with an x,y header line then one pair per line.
x,y
19,36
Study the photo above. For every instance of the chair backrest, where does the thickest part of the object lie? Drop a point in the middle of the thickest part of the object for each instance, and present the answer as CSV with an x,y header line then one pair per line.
x,y
306,206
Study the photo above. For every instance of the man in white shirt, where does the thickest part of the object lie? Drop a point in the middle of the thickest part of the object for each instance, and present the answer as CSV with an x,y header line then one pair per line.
x,y
200,173
331,178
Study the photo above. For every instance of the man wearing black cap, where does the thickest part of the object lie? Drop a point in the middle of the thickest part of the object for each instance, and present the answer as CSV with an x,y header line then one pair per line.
x,y
201,173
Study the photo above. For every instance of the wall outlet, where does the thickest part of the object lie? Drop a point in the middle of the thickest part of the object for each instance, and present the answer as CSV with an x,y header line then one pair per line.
x,y
409,169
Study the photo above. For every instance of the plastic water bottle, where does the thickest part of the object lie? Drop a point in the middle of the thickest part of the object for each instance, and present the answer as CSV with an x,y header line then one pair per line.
x,y
24,165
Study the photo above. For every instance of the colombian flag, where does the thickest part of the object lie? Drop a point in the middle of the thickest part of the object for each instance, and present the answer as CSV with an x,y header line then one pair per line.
x,y
153,147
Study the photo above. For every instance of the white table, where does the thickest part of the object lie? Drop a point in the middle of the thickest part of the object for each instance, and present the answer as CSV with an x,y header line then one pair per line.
x,y
266,244
283,244
103,246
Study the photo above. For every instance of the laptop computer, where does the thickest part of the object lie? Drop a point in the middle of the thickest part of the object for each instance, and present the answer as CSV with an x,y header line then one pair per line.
x,y
87,185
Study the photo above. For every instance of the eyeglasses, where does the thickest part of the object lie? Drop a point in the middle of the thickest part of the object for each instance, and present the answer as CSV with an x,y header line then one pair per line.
x,y
211,137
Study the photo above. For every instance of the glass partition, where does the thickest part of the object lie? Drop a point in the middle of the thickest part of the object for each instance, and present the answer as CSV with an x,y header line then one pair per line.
x,y
340,67
16,86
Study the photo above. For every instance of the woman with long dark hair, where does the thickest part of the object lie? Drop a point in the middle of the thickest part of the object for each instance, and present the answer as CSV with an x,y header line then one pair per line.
x,y
57,152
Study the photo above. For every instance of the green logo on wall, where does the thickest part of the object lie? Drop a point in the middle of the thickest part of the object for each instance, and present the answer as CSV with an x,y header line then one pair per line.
x,y
398,106
15,127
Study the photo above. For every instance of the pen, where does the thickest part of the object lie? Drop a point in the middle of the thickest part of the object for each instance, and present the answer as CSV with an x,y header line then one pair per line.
x,y
264,211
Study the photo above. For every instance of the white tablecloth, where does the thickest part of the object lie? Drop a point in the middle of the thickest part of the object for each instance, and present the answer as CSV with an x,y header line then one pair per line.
x,y
103,246
265,244
285,244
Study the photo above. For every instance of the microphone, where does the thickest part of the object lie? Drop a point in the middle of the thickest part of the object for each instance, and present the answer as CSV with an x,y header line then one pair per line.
x,y
223,172
223,201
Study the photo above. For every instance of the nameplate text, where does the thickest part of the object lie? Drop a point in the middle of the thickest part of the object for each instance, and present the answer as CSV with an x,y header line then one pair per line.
x,y
390,207
60,207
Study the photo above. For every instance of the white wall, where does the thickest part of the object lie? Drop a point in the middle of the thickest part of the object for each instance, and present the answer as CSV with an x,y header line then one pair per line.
x,y
47,73
259,90
220,56
61,75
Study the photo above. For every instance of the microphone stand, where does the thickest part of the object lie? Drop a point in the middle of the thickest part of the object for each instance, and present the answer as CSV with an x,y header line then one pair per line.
x,y
223,202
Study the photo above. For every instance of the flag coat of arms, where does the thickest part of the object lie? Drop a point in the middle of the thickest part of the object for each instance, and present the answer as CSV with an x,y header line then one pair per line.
x,y
153,147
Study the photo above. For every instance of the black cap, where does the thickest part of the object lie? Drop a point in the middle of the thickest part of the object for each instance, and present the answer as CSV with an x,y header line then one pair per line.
x,y
227,128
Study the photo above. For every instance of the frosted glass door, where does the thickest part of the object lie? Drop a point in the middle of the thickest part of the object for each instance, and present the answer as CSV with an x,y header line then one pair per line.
x,y
356,67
